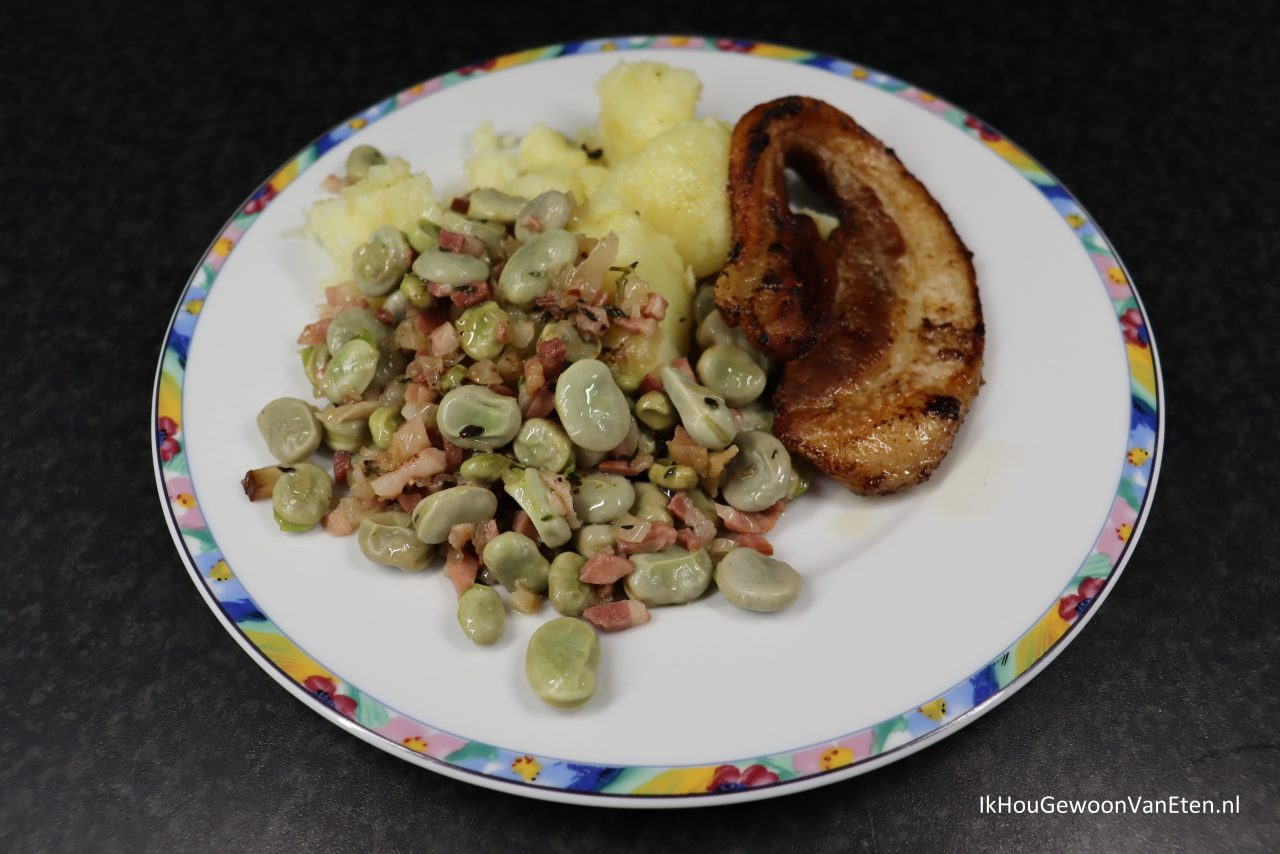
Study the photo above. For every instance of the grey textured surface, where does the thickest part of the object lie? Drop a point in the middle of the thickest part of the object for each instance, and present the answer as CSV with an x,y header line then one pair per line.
x,y
131,721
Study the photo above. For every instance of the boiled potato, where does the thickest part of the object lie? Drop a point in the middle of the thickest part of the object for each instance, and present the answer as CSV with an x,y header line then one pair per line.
x,y
677,183
390,195
639,100
544,148
657,263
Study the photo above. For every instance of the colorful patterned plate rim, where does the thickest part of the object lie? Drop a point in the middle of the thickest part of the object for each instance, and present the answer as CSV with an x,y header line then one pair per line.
x,y
564,779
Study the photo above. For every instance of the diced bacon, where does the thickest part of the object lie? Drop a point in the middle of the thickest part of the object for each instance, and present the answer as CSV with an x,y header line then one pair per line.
x,y
627,468
341,465
650,383
427,321
605,569
655,306
591,321
385,316
444,340
501,333
616,616
660,536
689,540
451,241
484,532
333,184
313,334
439,290
409,500
421,467
601,593
461,569
344,519
453,455
461,534
541,405
465,296
637,325
345,295
552,353
460,204
750,523
522,524
754,541
702,526
681,364
504,390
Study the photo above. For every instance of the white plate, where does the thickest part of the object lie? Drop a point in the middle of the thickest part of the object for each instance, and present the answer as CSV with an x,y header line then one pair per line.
x,y
920,611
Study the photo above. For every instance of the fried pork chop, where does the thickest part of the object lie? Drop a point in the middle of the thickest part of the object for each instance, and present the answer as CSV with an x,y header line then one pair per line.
x,y
881,323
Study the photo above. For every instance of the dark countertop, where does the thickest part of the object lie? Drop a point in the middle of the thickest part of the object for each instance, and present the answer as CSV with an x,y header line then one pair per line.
x,y
131,721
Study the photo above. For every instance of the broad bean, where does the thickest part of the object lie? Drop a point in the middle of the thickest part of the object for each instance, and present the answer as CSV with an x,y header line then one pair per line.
x,y
542,444
561,662
478,330
360,159
450,268
759,475
755,582
481,615
530,491
514,560
472,416
530,271
543,213
378,264
672,576
704,414
569,595
602,497
290,429
592,408
386,539
301,496
351,371
440,511
731,373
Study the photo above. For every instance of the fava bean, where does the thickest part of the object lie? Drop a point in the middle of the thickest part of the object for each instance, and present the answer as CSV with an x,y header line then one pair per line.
x,y
290,429
494,206
481,615
450,268
542,444
360,159
479,330
530,491
568,594
314,361
351,371
703,413
453,378
731,373
756,416
719,547
529,272
651,504
436,514
380,262
801,478
472,416
301,496
755,582
592,408
514,560
382,425
592,540
671,476
561,662
543,213
672,576
654,410
396,304
484,468
491,236
386,539
416,293
713,330
424,237
759,475
346,428
353,323
602,497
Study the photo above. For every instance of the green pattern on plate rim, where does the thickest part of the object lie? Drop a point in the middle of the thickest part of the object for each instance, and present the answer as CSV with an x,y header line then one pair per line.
x,y
332,695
